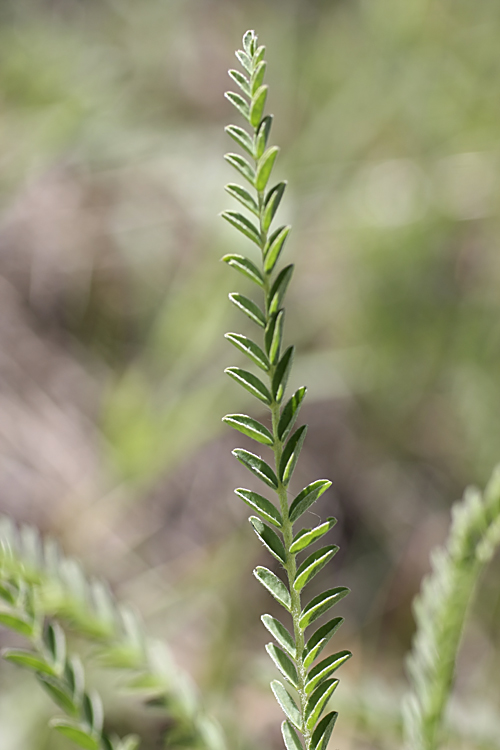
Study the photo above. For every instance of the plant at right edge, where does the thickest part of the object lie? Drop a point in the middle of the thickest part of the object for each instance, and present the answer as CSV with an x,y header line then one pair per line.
x,y
295,655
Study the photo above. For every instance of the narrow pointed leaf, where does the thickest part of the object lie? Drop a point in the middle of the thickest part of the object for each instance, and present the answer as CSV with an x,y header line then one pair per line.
x,y
319,639
269,538
262,136
243,224
18,623
59,695
243,196
250,427
251,382
307,497
28,660
245,60
257,106
284,664
279,288
274,248
242,166
323,732
281,634
250,348
249,307
290,414
257,466
317,702
271,204
274,585
244,266
258,76
264,167
268,336
76,734
305,537
290,737
321,604
291,454
275,345
249,42
241,137
287,703
325,668
312,565
240,104
261,505
280,377
241,80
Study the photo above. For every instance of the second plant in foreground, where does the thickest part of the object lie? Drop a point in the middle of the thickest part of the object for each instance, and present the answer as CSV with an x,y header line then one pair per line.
x,y
295,655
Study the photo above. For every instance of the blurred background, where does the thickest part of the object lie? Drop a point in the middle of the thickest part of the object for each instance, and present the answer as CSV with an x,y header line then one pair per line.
x,y
113,306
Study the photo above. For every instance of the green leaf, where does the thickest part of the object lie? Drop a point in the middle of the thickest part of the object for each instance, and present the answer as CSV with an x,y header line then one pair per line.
x,y
276,588
287,703
271,204
317,702
281,634
262,505
28,660
290,737
249,42
250,427
274,248
76,734
325,668
257,466
55,641
240,104
75,676
264,167
269,538
244,266
269,333
59,694
284,664
243,196
251,382
305,537
242,166
18,623
312,565
257,106
291,454
7,592
321,604
241,137
319,639
280,377
277,336
258,76
93,711
250,309
243,224
259,54
245,60
307,497
241,80
279,288
250,348
323,732
262,136
290,414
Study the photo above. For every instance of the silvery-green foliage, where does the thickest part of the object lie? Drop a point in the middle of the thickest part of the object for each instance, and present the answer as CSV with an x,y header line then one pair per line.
x,y
441,609
42,590
309,684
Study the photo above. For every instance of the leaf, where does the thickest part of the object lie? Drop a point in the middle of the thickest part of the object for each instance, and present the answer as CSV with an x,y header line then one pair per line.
x,y
258,77
251,382
280,377
281,634
249,427
7,592
322,733
245,60
271,204
28,660
321,604
250,309
279,288
274,248
284,664
290,414
18,623
325,668
257,466
319,639
240,104
305,537
249,42
290,737
269,539
242,166
264,168
241,137
241,80
317,702
56,643
307,497
276,588
93,711
243,196
75,733
287,703
277,335
244,266
259,54
243,224
262,136
312,565
250,348
262,505
291,454
257,106
59,695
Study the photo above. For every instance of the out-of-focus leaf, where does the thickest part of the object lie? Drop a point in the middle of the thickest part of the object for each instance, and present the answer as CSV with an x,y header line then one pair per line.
x,y
240,104
28,660
257,106
264,167
241,80
243,196
18,623
242,166
76,734
244,225
245,60
262,136
258,76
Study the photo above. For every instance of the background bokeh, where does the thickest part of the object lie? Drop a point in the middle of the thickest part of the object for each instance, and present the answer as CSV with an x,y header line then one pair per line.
x,y
113,306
